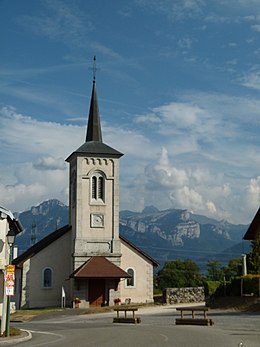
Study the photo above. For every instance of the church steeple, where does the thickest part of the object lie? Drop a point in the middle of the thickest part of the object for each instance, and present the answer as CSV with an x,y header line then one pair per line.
x,y
94,145
94,127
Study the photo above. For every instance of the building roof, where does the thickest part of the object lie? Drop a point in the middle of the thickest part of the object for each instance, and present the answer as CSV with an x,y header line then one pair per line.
x,y
94,144
254,228
99,267
13,222
154,262
97,149
46,241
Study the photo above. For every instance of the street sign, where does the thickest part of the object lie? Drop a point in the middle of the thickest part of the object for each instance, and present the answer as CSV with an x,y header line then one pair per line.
x,y
9,279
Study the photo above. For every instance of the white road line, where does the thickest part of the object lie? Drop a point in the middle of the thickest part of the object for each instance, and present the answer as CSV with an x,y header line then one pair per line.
x,y
164,337
60,337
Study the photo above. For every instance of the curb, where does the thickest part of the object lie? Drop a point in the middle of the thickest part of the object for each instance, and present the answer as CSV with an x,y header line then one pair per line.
x,y
13,340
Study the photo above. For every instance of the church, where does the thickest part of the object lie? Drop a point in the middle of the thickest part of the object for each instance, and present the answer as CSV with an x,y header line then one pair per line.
x,y
87,263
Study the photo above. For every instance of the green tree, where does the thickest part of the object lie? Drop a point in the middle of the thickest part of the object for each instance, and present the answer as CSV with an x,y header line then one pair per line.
x,y
179,273
234,268
254,257
215,270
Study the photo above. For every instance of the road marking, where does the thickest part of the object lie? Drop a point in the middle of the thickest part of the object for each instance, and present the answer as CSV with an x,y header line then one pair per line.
x,y
60,337
164,337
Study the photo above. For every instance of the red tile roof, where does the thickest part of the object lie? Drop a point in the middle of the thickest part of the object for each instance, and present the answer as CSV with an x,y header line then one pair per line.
x,y
99,267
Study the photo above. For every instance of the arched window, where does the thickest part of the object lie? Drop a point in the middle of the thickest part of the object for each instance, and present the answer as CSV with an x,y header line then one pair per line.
x,y
97,187
94,187
100,187
47,278
130,282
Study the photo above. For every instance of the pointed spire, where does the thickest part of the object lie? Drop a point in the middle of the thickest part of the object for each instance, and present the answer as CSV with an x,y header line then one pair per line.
x,y
94,127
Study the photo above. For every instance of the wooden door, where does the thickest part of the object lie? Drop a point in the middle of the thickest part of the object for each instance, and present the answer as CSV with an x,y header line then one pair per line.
x,y
96,292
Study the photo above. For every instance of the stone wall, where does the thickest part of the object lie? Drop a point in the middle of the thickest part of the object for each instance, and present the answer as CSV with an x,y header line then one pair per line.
x,y
183,295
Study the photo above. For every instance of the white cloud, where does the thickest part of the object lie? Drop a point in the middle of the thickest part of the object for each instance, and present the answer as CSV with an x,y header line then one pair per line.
x,y
23,134
251,80
211,207
203,165
200,190
188,197
253,192
50,163
179,114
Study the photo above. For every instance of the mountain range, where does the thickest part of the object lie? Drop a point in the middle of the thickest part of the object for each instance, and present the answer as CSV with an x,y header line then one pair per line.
x,y
164,235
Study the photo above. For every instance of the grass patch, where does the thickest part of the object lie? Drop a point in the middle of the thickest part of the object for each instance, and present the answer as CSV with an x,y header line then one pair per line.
x,y
27,315
15,331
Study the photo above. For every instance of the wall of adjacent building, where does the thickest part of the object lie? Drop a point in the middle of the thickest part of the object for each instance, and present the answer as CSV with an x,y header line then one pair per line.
x,y
4,226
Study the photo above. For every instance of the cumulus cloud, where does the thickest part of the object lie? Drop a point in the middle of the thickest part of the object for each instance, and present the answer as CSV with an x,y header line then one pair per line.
x,y
197,168
179,114
253,192
198,189
50,163
35,137
30,185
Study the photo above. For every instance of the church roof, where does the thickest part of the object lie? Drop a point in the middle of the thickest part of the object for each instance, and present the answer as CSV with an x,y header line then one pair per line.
x,y
145,255
46,241
94,144
96,149
99,267
254,228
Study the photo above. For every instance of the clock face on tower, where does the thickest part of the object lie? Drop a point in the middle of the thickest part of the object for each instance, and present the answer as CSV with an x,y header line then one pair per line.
x,y
97,220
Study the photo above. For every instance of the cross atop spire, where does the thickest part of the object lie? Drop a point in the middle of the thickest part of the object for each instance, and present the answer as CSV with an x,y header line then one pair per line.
x,y
94,68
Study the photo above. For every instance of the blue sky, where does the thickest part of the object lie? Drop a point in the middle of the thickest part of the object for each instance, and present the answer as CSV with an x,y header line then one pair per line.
x,y
178,84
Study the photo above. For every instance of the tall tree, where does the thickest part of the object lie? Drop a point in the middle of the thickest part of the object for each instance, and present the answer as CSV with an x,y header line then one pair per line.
x,y
215,270
234,268
254,257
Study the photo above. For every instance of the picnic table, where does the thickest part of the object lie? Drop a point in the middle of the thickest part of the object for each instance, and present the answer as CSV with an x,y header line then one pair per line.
x,y
202,310
126,318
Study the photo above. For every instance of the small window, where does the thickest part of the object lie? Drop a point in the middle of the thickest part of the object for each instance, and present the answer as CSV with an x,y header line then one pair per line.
x,y
97,188
100,187
94,187
130,282
47,278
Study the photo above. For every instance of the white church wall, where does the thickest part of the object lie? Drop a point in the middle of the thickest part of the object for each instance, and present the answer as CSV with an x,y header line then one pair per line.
x,y
56,257
142,291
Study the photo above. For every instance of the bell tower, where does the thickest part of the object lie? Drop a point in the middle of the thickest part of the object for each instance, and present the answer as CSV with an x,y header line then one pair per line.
x,y
94,194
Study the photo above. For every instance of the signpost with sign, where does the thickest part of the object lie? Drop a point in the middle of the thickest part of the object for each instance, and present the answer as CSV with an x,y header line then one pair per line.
x,y
9,280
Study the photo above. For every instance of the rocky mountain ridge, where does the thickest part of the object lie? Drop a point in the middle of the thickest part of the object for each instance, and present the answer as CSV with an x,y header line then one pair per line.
x,y
168,234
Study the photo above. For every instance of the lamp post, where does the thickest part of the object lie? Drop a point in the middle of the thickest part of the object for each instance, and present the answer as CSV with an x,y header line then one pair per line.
x,y
10,240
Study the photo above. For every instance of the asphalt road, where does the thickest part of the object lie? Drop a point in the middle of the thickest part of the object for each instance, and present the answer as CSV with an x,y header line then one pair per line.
x,y
157,329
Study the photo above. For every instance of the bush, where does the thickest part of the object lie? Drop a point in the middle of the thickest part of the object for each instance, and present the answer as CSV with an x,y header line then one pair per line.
x,y
211,287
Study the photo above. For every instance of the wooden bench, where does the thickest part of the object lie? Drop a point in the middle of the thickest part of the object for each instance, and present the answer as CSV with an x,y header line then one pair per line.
x,y
193,321
126,318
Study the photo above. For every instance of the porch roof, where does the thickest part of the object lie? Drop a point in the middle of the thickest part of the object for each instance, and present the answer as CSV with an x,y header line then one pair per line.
x,y
99,267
